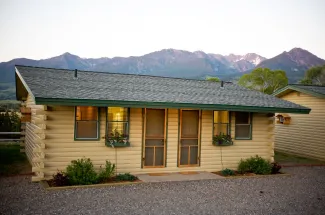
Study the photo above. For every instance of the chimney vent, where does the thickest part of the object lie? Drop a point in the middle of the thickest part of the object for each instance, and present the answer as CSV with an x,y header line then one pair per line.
x,y
75,73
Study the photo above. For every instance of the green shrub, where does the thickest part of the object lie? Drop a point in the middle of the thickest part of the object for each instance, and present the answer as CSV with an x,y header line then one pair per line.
x,y
226,172
255,165
106,173
126,177
81,172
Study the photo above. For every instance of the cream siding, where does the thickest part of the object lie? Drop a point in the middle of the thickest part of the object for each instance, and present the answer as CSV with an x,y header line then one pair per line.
x,y
34,145
59,146
305,134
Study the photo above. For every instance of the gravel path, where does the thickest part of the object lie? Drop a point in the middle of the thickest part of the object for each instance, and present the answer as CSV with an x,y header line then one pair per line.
x,y
301,193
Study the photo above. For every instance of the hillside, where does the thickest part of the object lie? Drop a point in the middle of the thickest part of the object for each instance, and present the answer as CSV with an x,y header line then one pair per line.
x,y
295,63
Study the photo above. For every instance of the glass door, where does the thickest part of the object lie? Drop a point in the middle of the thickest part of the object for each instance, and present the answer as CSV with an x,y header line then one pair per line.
x,y
189,138
155,138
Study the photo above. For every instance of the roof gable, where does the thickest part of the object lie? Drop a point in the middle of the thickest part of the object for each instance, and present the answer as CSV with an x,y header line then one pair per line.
x,y
59,86
317,91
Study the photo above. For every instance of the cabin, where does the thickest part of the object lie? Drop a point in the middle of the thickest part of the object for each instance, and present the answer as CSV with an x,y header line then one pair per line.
x,y
143,124
302,134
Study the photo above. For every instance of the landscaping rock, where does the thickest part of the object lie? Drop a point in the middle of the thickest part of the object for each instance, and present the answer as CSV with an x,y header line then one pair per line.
x,y
301,193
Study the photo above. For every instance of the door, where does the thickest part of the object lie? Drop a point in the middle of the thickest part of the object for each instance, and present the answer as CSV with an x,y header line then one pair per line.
x,y
155,138
189,138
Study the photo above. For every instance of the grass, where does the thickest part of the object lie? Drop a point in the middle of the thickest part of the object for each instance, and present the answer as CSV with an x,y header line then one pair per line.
x,y
12,161
289,159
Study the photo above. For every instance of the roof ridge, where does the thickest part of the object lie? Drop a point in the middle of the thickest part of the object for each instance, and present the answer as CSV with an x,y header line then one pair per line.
x,y
155,76
306,85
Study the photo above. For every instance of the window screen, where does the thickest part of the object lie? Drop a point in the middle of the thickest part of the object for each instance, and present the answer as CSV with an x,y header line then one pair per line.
x,y
86,122
243,125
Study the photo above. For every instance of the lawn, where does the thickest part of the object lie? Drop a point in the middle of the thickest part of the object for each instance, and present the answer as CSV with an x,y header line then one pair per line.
x,y
12,161
289,159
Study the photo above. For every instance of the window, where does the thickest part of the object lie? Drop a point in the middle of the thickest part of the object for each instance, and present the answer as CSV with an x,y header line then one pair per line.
x,y
118,121
86,123
243,125
220,122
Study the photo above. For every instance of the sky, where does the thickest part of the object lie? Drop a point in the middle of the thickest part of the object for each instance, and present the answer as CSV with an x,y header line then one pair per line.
x,y
91,29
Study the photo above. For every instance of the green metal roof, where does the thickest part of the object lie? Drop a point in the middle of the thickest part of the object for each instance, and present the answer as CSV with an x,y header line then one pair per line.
x,y
60,87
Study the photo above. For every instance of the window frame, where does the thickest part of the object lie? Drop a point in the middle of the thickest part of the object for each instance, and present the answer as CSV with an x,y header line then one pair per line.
x,y
250,118
128,122
229,123
75,125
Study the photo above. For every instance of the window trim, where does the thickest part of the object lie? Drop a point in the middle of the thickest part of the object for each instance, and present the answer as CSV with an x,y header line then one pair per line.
x,y
229,122
250,129
128,121
75,127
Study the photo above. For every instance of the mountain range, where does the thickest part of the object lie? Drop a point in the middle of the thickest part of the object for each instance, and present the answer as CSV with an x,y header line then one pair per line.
x,y
170,63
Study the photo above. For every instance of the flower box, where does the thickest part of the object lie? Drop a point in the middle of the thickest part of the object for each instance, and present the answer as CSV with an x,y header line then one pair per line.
x,y
117,139
113,143
223,143
222,140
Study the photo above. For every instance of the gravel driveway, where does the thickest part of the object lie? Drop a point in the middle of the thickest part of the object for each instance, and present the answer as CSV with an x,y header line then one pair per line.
x,y
301,193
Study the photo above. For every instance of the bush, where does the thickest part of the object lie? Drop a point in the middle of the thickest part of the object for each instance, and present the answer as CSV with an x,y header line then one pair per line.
x,y
81,172
276,168
226,172
255,165
60,179
107,172
126,177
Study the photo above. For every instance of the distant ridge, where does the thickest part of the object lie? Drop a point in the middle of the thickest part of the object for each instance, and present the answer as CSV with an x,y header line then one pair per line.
x,y
169,63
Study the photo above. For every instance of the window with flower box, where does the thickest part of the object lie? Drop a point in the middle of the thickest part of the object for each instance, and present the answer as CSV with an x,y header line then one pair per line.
x,y
117,132
221,122
221,128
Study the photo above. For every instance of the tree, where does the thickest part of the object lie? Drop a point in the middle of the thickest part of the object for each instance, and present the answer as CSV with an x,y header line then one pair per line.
x,y
314,75
264,80
9,122
214,79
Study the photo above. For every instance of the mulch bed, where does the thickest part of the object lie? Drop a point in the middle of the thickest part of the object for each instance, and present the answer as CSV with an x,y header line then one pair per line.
x,y
239,174
108,181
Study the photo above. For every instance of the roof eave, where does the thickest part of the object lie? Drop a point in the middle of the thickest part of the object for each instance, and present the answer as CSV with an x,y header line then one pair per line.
x,y
18,75
142,104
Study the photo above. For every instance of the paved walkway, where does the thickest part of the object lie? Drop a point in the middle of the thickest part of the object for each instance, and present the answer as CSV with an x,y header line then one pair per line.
x,y
185,176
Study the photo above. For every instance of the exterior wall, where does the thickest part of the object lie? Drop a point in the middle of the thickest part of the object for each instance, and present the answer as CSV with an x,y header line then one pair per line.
x,y
305,134
34,145
59,146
